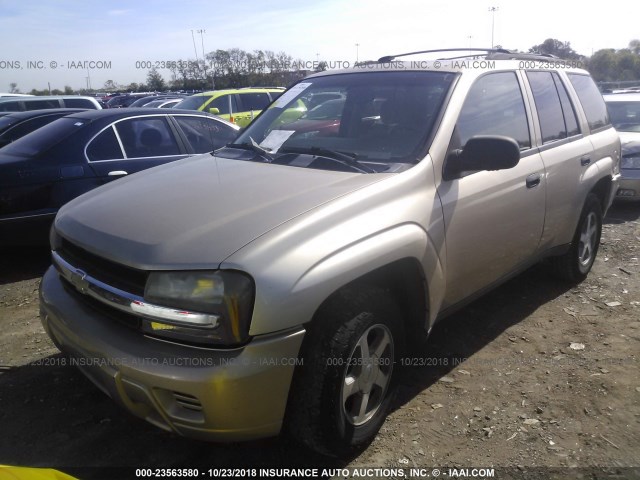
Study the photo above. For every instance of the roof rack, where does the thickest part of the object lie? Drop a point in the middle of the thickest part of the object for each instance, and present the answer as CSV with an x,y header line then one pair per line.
x,y
489,53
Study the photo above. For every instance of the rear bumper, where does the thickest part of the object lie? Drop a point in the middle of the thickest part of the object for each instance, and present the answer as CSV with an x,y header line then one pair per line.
x,y
225,395
629,186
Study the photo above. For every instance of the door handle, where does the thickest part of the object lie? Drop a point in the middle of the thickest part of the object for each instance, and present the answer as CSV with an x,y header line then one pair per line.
x,y
586,160
533,180
117,173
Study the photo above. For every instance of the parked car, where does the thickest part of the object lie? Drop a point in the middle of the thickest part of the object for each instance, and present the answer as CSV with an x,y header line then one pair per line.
x,y
123,101
16,125
2,94
164,103
323,119
624,109
21,104
144,101
239,106
43,170
282,287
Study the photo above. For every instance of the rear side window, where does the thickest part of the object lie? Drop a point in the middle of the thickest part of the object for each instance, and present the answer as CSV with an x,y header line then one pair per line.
x,y
205,134
105,147
570,119
591,100
254,101
557,121
494,106
147,137
41,104
15,106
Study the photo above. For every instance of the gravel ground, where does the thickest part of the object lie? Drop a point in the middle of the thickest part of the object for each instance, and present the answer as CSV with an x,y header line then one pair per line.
x,y
535,375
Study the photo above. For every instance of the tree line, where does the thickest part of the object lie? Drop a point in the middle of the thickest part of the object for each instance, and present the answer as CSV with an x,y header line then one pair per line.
x,y
235,68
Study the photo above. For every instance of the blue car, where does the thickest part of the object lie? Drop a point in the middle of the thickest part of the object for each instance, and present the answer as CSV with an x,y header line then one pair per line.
x,y
45,169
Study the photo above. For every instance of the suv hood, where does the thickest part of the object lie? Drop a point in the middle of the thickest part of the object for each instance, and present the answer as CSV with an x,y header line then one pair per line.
x,y
196,212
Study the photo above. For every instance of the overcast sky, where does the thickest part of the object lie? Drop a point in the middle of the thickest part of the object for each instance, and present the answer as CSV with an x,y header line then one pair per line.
x,y
52,33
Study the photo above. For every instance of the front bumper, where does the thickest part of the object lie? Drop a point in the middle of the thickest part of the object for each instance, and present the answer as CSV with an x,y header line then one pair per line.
x,y
227,395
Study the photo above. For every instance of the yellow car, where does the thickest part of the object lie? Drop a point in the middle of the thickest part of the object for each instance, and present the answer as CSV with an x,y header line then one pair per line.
x,y
239,106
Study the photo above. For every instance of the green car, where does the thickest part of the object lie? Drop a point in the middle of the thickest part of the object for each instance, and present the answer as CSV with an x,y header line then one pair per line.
x,y
239,106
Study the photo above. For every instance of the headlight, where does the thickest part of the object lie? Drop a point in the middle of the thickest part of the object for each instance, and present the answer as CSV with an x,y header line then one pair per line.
x,y
631,161
203,307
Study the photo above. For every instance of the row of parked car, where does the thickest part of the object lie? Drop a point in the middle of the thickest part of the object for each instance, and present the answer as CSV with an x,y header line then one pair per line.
x,y
238,106
291,268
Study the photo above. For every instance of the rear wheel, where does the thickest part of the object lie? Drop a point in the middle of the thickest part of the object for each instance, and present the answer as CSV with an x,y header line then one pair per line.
x,y
342,393
577,262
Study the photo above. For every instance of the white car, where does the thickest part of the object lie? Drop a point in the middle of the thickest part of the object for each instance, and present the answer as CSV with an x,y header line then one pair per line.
x,y
624,110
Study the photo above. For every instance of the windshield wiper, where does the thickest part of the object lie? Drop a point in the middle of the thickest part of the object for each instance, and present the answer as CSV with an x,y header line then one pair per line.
x,y
341,157
254,147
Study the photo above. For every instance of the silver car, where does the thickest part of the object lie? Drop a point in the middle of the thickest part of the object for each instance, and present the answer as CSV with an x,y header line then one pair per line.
x,y
624,109
278,282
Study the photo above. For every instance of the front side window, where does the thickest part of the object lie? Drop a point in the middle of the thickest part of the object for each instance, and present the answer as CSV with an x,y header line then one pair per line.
x,y
147,137
79,103
591,100
205,134
379,121
225,104
254,101
494,106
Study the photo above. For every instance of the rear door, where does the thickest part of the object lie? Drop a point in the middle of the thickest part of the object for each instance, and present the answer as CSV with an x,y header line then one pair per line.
x,y
131,145
493,219
565,151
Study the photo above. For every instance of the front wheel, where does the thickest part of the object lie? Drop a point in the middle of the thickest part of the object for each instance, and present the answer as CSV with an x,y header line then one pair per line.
x,y
342,393
577,262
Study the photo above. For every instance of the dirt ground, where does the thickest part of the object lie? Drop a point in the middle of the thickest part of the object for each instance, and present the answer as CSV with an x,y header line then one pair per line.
x,y
537,374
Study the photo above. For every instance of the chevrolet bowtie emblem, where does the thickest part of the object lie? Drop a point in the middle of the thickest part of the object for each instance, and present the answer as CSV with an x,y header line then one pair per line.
x,y
78,280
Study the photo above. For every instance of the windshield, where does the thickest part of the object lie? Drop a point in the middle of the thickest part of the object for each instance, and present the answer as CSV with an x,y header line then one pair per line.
x,y
625,116
193,103
44,138
368,122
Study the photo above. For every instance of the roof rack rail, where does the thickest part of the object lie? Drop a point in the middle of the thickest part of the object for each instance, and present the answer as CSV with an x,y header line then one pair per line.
x,y
389,58
490,53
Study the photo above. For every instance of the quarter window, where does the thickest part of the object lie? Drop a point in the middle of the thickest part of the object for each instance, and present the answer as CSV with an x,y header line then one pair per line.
x,y
494,106
105,147
591,100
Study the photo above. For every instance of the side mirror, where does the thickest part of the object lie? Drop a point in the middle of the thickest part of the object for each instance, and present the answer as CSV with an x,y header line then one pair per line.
x,y
215,111
482,152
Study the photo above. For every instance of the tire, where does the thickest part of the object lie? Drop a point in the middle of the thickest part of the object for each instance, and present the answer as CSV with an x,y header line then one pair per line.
x,y
341,394
574,265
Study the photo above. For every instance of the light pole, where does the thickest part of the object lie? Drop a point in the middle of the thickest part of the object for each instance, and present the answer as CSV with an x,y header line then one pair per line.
x,y
493,11
357,45
204,59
